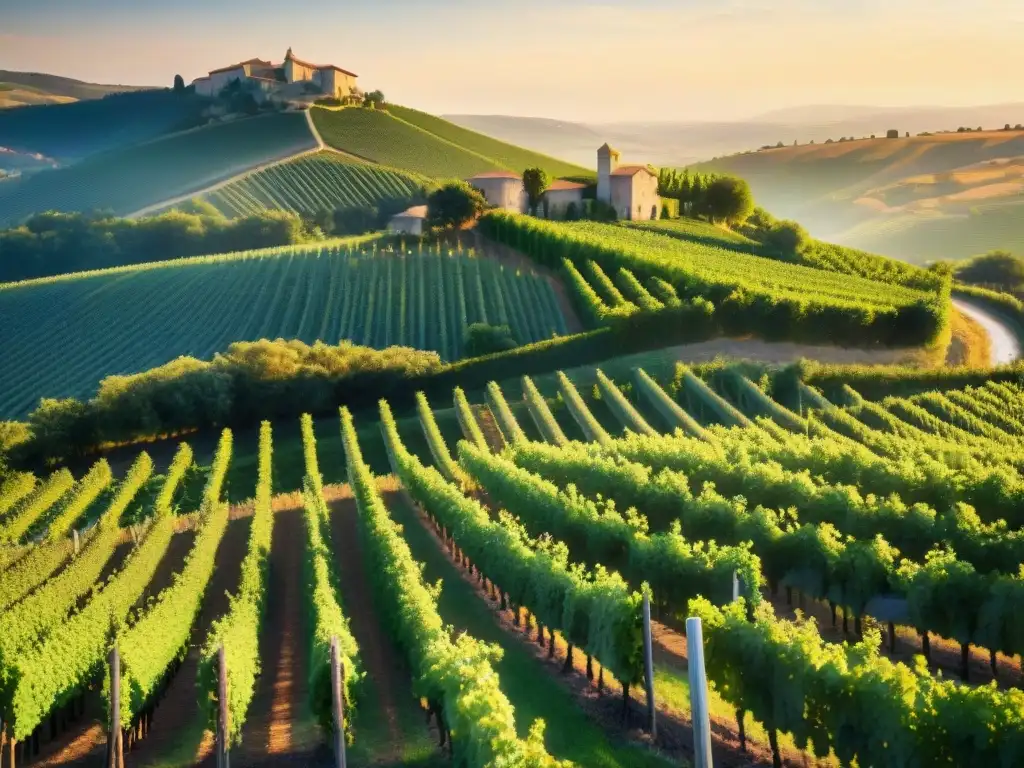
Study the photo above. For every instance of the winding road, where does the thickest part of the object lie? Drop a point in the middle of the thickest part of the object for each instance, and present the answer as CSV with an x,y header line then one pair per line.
x,y
1005,344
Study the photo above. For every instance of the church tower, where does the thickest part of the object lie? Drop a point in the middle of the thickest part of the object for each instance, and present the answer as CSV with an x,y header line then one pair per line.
x,y
607,161
289,66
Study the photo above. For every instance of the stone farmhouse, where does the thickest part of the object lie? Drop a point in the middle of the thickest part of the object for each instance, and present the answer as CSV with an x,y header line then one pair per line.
x,y
292,78
632,190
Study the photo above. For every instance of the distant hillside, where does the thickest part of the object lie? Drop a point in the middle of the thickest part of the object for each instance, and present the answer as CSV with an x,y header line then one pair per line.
x,y
14,95
126,180
415,141
75,130
62,88
948,195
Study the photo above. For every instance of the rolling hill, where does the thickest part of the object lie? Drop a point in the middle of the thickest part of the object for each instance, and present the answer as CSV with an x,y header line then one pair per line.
x,y
414,141
948,195
310,183
72,131
60,89
126,180
128,319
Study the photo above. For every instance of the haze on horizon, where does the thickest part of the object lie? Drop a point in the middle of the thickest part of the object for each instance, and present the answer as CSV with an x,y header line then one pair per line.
x,y
586,60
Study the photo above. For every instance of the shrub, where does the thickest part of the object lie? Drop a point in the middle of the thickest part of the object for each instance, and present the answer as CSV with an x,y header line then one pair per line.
x,y
787,238
729,199
456,203
484,339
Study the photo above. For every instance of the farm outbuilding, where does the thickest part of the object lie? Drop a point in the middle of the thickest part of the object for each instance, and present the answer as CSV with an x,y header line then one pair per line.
x,y
560,194
502,189
410,221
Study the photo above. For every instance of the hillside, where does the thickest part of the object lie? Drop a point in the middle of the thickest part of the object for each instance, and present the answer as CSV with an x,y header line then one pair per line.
x,y
15,95
71,331
72,131
126,180
63,89
921,198
311,183
425,144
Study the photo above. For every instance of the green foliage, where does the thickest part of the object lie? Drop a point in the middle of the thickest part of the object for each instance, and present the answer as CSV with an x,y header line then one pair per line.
x,y
467,420
37,684
504,155
750,294
535,183
578,408
17,521
593,609
62,243
160,635
546,423
484,339
788,239
238,631
503,415
86,491
382,137
438,448
997,269
129,179
454,204
728,199
322,181
620,405
669,409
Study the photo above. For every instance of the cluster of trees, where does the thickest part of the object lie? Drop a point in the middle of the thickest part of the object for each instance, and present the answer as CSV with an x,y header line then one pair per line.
x,y
249,382
55,243
720,199
999,270
453,205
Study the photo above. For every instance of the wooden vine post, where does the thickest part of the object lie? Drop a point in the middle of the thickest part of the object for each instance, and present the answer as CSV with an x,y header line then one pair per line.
x,y
223,724
337,673
115,739
698,694
649,667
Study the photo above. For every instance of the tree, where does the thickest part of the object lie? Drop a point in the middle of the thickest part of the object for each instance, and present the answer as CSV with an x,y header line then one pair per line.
x,y
484,339
454,204
374,100
787,238
535,181
729,199
179,84
996,268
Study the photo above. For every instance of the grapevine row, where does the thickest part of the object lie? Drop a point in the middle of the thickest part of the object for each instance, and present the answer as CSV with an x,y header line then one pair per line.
x,y
438,448
467,419
33,507
456,678
510,428
623,409
592,429
545,421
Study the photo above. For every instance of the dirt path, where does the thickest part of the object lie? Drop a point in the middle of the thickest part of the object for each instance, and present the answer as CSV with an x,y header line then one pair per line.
x,y
1005,344
377,725
493,436
178,722
279,723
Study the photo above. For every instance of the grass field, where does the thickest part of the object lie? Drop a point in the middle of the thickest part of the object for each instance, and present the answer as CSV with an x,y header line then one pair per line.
x,y
509,155
126,180
324,181
68,333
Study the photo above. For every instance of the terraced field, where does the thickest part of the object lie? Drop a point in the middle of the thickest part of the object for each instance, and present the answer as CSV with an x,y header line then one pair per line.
x,y
130,179
69,332
311,183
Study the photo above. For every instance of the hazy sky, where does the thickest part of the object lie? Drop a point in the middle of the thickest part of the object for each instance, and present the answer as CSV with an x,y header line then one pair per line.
x,y
568,59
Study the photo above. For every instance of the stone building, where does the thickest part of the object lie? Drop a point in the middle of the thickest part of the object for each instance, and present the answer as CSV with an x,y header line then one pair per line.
x,y
502,189
560,194
632,190
410,222
292,77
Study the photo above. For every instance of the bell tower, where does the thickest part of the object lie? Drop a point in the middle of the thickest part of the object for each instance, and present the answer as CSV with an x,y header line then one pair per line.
x,y
607,161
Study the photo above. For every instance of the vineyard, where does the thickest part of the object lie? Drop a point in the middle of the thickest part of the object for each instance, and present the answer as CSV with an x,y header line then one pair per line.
x,y
130,319
854,562
602,263
323,181
128,179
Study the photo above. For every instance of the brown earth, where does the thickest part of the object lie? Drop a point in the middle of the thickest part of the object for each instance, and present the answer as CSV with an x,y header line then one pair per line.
x,y
379,657
274,726
493,436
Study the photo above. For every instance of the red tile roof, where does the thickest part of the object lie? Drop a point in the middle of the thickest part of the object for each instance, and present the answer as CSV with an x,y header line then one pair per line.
x,y
497,175
559,185
302,63
631,170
